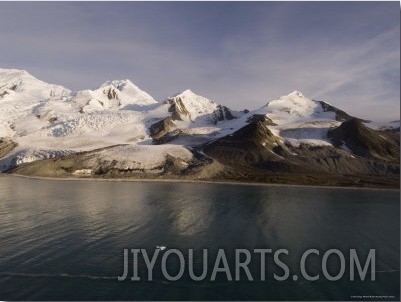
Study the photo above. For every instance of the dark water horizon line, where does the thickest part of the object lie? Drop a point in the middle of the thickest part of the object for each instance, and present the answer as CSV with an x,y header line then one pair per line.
x,y
195,181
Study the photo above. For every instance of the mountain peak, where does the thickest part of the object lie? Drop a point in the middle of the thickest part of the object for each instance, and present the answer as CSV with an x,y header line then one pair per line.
x,y
121,84
295,98
127,92
16,75
291,108
196,107
188,91
117,83
186,94
192,99
13,71
18,80
295,93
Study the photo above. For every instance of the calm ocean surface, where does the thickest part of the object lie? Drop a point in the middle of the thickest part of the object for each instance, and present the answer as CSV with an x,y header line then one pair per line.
x,y
64,240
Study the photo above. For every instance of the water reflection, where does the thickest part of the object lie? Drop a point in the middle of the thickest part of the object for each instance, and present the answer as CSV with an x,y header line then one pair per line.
x,y
53,228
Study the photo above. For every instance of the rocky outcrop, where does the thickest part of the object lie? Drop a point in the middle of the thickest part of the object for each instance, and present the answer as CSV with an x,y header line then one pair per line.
x,y
6,146
253,145
365,142
341,116
163,130
256,150
260,118
111,93
177,109
222,113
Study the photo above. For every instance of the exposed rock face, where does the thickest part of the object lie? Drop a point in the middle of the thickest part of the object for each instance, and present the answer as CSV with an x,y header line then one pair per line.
x,y
260,118
364,141
2,94
6,146
222,113
162,131
111,93
337,161
190,108
177,109
256,150
9,88
394,134
340,115
253,145
174,165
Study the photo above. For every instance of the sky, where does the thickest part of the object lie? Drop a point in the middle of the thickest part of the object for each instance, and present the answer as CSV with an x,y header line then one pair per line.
x,y
239,54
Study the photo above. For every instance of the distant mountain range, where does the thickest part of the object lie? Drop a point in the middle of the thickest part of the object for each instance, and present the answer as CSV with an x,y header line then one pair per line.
x,y
119,131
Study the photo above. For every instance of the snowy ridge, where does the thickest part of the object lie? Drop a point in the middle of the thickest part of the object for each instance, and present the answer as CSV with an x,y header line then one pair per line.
x,y
118,94
28,155
49,121
193,110
14,81
294,107
298,120
21,95
127,93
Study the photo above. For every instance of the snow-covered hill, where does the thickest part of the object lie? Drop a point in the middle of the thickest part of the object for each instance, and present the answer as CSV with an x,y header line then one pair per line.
x,y
20,96
48,121
300,120
197,109
122,95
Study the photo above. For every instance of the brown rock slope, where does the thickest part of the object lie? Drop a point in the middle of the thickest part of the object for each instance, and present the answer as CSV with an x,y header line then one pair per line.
x,y
6,146
359,156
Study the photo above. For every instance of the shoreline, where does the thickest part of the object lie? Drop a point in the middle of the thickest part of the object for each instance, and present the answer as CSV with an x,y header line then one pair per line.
x,y
193,181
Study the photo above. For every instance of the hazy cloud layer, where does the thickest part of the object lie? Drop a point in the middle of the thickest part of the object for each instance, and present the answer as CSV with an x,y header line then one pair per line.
x,y
236,53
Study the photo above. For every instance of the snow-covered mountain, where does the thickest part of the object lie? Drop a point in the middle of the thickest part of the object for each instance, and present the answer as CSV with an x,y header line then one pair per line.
x,y
118,129
113,95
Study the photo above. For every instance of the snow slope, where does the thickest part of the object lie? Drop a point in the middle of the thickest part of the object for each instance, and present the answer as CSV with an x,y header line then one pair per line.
x,y
48,121
299,120
20,96
118,94
149,158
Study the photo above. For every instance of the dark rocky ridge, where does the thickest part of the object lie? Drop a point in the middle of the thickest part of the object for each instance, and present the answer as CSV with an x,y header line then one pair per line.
x,y
375,154
253,145
260,118
222,113
255,154
341,116
177,109
366,142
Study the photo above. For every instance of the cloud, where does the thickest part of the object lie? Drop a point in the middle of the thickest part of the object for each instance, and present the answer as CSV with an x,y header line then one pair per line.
x,y
238,54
